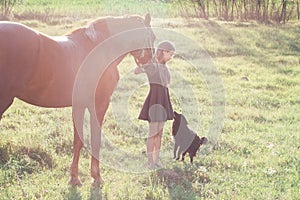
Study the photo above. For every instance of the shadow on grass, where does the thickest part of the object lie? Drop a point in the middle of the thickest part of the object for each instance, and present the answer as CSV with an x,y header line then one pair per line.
x,y
230,44
179,181
95,193
233,41
74,194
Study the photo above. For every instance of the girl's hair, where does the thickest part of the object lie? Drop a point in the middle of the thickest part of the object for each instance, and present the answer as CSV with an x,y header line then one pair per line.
x,y
163,46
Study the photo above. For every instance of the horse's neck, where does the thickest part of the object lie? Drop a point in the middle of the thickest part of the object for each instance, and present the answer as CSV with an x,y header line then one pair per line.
x,y
79,39
78,47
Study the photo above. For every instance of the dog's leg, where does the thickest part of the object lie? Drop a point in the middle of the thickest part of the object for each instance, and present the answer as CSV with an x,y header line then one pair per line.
x,y
182,159
191,158
179,152
175,150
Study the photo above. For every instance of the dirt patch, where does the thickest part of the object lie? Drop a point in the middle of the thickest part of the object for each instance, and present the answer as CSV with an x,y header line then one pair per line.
x,y
170,177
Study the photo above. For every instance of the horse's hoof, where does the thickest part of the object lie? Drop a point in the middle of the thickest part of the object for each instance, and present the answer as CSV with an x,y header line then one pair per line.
x,y
74,181
97,182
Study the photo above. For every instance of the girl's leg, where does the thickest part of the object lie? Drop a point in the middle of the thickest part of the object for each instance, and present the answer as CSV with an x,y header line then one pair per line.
x,y
157,142
150,146
150,142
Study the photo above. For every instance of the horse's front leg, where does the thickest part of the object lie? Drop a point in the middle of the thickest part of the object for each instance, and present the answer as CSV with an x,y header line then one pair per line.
x,y
105,88
78,116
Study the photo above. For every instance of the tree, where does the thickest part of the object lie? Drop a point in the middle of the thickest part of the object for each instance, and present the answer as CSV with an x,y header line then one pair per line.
x,y
298,12
7,7
283,11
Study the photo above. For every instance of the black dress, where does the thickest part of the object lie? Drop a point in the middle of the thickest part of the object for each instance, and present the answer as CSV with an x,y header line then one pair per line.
x,y
157,106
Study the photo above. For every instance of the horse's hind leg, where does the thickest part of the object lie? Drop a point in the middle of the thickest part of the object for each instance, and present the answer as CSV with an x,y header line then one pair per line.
x,y
78,117
96,123
5,102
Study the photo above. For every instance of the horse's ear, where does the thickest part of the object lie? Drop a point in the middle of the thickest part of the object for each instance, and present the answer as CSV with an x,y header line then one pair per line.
x,y
91,32
147,19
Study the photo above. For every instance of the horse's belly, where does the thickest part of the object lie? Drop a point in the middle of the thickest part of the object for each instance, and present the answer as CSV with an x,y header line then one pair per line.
x,y
46,100
56,94
52,82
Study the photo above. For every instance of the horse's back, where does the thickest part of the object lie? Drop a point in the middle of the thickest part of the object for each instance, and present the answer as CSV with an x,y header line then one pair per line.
x,y
14,30
19,46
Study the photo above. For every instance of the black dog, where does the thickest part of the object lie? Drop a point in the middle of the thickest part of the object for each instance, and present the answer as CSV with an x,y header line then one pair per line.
x,y
185,139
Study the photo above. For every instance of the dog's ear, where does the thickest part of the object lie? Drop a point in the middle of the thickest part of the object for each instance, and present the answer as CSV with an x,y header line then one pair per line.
x,y
175,115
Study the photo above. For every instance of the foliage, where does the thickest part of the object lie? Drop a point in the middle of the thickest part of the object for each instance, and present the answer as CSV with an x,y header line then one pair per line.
x,y
260,10
266,11
7,7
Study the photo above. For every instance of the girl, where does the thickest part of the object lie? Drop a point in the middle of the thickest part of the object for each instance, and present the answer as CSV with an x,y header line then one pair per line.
x,y
157,107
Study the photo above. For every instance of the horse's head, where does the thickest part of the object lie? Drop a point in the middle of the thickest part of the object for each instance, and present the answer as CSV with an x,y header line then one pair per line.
x,y
142,56
139,29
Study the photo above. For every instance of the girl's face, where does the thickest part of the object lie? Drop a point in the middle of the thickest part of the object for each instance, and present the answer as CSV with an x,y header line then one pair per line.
x,y
167,55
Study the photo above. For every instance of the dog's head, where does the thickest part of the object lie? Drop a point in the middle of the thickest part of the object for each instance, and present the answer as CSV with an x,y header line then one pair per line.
x,y
179,120
203,140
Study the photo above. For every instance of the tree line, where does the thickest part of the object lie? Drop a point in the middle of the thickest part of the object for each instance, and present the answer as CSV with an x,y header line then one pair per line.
x,y
279,11
7,7
265,11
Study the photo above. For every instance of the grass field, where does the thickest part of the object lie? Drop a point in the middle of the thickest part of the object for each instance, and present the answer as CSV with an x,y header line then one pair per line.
x,y
257,156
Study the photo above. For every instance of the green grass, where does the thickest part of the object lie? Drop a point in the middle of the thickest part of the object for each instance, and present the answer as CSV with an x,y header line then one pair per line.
x,y
256,156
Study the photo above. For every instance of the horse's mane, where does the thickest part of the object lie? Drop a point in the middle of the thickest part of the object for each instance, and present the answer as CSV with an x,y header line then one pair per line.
x,y
108,18
105,19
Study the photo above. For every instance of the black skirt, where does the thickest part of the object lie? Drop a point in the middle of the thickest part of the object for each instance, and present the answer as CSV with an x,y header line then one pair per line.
x,y
157,106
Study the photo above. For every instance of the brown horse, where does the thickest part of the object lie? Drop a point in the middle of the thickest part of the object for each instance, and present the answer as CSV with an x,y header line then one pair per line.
x,y
41,70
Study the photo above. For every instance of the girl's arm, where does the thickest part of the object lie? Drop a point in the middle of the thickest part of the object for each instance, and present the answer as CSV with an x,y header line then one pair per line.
x,y
148,68
139,69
